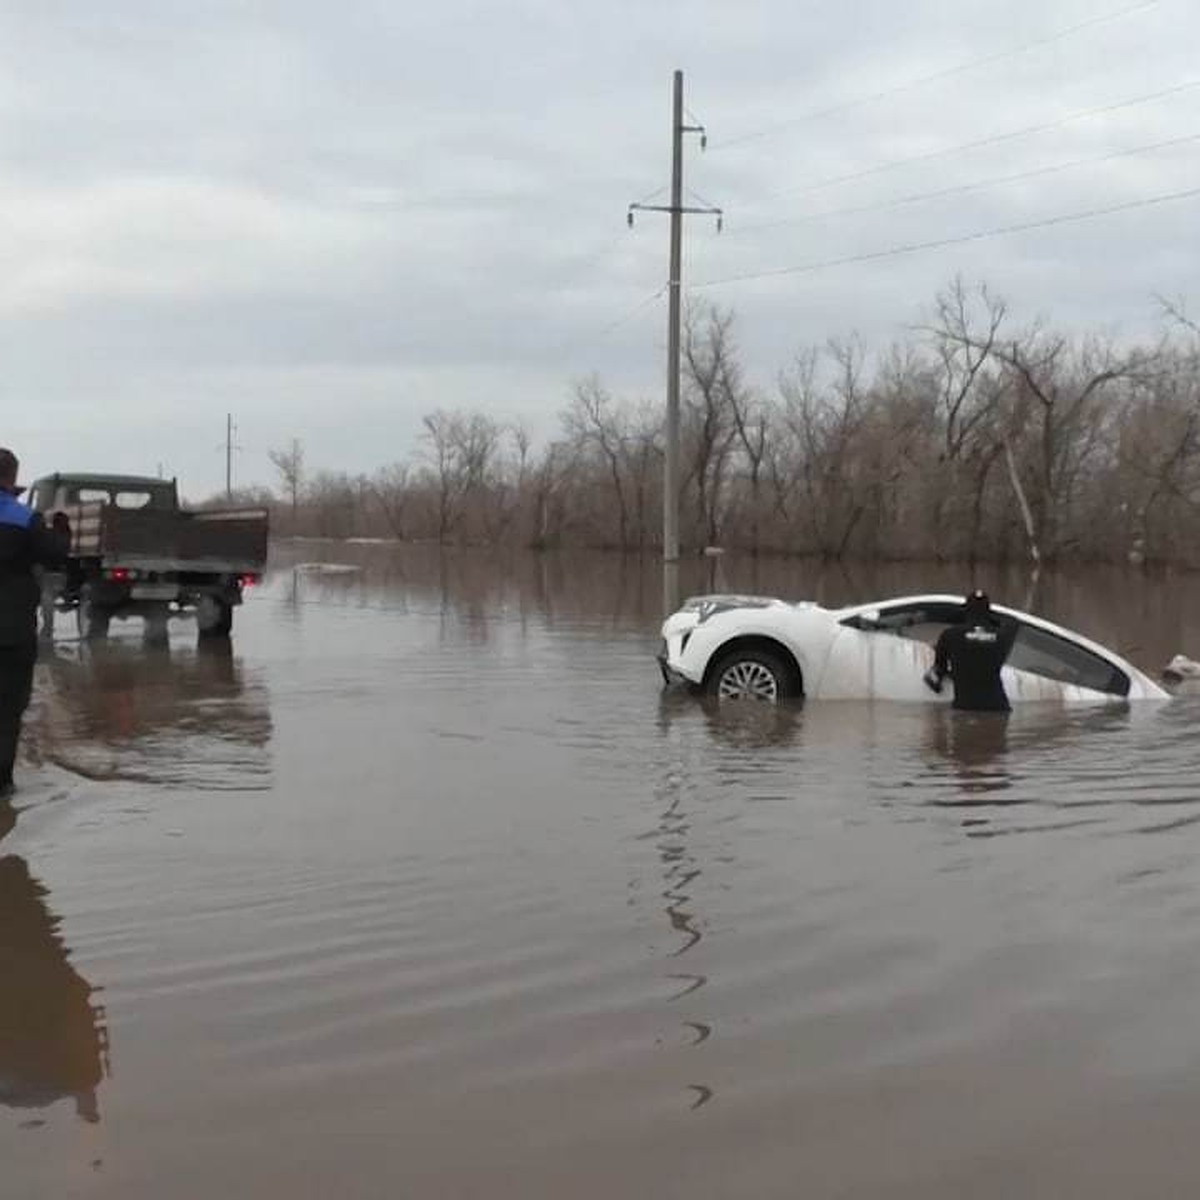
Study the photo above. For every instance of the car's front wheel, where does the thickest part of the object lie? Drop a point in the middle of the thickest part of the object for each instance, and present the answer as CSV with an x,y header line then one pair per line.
x,y
753,673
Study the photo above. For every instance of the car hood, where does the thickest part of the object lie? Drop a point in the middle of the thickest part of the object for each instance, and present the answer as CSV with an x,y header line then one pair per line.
x,y
697,609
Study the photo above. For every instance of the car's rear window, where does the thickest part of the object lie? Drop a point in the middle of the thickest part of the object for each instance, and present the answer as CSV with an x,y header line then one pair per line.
x,y
127,498
1052,657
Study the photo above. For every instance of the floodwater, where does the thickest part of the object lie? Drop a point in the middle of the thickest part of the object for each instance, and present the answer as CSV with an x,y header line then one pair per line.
x,y
427,890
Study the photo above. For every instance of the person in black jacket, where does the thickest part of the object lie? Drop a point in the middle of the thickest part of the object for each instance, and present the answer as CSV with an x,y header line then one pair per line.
x,y
972,653
25,544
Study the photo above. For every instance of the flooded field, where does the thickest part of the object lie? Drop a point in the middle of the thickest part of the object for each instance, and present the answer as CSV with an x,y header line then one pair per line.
x,y
426,889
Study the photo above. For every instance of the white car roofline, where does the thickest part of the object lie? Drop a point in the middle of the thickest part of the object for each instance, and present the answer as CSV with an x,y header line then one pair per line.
x,y
1019,614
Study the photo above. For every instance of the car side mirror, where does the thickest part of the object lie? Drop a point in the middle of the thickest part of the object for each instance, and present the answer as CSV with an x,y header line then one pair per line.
x,y
870,620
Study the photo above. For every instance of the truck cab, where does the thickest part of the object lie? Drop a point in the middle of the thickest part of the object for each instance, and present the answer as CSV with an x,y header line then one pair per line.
x,y
57,493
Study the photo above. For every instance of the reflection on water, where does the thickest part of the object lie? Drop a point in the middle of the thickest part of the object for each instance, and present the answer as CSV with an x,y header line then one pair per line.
x,y
975,745
164,714
53,1037
681,873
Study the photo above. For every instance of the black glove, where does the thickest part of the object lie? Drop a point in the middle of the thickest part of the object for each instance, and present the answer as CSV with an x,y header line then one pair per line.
x,y
933,681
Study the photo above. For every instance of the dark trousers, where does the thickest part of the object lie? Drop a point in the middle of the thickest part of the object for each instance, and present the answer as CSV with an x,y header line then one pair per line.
x,y
16,686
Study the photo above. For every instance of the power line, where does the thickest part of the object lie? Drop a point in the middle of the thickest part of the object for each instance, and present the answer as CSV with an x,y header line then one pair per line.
x,y
992,140
629,314
938,243
586,342
958,189
584,265
945,73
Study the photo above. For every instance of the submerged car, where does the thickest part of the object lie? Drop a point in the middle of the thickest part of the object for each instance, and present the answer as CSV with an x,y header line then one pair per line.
x,y
763,648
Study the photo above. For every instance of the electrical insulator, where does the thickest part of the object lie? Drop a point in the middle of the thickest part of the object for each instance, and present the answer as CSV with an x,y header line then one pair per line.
x,y
720,222
704,141
629,218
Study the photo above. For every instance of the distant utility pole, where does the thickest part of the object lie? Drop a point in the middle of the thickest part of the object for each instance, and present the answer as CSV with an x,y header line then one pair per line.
x,y
676,209
229,448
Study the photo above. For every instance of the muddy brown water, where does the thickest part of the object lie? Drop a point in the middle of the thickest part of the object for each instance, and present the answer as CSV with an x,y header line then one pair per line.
x,y
426,889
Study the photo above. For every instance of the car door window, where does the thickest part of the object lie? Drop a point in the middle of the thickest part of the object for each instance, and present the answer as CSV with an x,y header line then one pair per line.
x,y
921,621
1042,653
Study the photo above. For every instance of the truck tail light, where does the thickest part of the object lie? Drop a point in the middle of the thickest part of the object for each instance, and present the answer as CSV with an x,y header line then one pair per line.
x,y
249,581
120,575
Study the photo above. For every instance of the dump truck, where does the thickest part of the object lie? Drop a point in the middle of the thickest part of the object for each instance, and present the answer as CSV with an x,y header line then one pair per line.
x,y
136,552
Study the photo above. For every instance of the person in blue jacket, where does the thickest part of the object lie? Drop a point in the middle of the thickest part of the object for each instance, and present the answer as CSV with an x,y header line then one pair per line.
x,y
25,545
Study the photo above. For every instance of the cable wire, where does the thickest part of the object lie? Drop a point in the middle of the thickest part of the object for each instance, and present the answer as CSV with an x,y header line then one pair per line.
x,y
938,243
959,189
923,80
644,303
992,140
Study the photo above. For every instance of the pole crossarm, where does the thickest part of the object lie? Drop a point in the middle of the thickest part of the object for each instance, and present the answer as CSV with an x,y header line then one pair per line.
x,y
667,208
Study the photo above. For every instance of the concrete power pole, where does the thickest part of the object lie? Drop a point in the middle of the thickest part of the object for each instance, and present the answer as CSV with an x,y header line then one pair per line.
x,y
676,209
674,282
229,456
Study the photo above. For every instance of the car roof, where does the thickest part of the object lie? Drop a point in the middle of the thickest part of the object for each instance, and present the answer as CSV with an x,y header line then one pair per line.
x,y
1026,618
105,480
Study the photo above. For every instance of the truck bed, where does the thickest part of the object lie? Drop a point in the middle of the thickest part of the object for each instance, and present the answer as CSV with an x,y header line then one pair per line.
x,y
220,541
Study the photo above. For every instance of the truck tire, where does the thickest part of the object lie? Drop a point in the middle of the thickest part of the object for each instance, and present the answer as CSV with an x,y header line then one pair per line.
x,y
214,617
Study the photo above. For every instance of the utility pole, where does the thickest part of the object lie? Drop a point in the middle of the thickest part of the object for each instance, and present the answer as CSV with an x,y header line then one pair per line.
x,y
676,209
229,456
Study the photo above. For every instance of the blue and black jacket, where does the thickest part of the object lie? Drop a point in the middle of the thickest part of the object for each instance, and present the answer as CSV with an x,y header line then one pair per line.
x,y
25,543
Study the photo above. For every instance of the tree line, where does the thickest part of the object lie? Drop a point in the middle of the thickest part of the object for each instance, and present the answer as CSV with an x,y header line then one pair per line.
x,y
973,440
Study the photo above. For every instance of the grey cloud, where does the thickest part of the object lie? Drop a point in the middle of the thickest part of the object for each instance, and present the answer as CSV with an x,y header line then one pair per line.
x,y
332,218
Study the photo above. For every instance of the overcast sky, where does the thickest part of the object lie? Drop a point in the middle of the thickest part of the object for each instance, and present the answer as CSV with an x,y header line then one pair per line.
x,y
332,218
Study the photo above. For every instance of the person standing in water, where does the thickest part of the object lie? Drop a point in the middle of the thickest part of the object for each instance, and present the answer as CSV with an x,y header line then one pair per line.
x,y
972,653
25,545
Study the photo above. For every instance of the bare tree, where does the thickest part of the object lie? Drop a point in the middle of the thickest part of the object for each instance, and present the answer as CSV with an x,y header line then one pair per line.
x,y
1060,397
440,436
595,421
289,464
392,489
971,440
753,419
549,481
712,375
972,389
828,424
